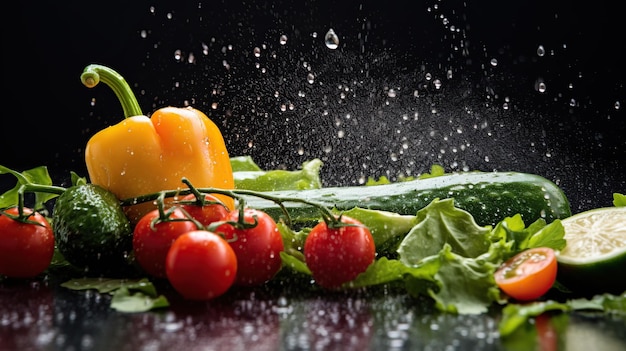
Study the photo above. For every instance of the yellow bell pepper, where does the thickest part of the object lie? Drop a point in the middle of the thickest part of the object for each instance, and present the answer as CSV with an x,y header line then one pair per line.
x,y
143,155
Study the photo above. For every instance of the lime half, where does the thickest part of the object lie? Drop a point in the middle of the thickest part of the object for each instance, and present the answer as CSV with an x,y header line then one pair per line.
x,y
594,258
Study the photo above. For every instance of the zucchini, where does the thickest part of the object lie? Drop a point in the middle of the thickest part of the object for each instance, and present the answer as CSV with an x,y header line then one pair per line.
x,y
488,196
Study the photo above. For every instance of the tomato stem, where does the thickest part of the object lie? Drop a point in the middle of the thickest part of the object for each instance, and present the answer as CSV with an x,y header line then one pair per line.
x,y
326,213
94,73
165,216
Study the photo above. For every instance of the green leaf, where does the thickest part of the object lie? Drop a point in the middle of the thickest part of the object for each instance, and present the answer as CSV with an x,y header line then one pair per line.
x,y
538,234
129,295
306,178
77,180
106,285
383,225
435,171
38,175
467,285
125,301
441,223
515,315
551,235
619,199
382,180
385,270
243,164
294,263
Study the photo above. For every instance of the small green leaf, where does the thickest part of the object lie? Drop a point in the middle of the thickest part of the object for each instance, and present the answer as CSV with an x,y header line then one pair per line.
x,y
515,315
125,301
619,199
38,175
294,263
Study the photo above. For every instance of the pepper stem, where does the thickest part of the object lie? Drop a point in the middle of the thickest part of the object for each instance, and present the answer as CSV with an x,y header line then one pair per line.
x,y
94,73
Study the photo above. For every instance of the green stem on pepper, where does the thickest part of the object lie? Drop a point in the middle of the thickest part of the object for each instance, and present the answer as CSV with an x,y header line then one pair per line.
x,y
95,73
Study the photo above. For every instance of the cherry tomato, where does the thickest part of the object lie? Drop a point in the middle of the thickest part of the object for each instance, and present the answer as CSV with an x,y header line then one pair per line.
x,y
26,249
529,274
337,255
201,265
257,248
210,212
152,242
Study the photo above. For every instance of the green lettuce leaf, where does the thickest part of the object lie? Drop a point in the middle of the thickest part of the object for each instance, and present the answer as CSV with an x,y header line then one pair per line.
x,y
466,285
619,199
441,223
259,180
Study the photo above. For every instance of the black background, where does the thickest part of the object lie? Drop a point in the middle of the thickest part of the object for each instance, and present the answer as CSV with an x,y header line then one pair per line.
x,y
572,134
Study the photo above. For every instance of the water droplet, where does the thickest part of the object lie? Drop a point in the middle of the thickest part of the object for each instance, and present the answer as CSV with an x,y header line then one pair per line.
x,y
310,78
540,86
143,34
177,55
257,52
283,39
331,39
494,62
437,84
391,93
541,51
617,105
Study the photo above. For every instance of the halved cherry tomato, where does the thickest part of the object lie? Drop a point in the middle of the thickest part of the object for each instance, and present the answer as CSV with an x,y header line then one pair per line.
x,y
529,274
152,242
26,249
211,211
337,255
201,265
257,248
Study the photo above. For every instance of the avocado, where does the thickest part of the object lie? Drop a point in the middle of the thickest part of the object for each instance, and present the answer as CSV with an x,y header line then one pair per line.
x,y
91,230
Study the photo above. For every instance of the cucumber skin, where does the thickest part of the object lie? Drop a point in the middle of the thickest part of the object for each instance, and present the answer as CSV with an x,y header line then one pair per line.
x,y
488,196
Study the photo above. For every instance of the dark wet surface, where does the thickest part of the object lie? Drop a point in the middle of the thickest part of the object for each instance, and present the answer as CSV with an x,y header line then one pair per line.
x,y
42,316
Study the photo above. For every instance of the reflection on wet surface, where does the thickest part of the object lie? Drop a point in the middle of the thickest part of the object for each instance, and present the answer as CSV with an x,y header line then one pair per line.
x,y
38,316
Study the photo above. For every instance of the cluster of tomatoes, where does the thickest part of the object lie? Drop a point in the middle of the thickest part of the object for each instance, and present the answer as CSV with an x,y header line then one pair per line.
x,y
230,250
204,262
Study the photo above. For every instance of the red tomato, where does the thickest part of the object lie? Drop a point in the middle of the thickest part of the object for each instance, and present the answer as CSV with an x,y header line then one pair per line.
x,y
151,242
529,274
207,213
257,248
337,255
201,265
26,249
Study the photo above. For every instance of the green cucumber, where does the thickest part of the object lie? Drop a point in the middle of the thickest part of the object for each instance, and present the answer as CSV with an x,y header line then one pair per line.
x,y
488,196
91,230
